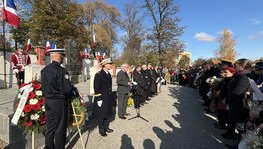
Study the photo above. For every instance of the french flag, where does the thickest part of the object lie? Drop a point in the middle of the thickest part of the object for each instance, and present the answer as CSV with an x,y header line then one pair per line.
x,y
98,56
28,45
48,46
104,55
54,45
9,13
85,53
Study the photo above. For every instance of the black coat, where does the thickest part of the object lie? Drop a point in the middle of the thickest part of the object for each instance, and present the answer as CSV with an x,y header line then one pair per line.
x,y
103,86
154,78
55,82
140,88
237,88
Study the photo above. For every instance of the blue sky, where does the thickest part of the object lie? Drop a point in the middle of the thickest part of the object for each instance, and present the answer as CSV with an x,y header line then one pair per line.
x,y
205,19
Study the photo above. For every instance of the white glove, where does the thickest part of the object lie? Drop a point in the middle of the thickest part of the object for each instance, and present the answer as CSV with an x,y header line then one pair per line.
x,y
15,71
99,103
134,83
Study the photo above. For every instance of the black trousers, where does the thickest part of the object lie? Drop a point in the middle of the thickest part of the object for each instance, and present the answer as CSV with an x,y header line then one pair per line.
x,y
20,76
57,115
103,124
122,103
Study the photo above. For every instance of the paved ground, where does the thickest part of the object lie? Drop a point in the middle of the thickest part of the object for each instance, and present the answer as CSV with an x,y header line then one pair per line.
x,y
176,121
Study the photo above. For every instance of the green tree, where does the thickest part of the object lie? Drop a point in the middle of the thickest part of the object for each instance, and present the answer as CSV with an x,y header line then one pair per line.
x,y
56,19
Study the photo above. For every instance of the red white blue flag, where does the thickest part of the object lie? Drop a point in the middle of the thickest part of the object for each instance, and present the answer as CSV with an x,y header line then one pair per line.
x,y
104,55
47,46
28,45
9,13
85,53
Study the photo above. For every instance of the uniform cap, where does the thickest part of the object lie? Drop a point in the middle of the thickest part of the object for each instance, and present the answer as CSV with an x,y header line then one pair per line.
x,y
60,51
106,61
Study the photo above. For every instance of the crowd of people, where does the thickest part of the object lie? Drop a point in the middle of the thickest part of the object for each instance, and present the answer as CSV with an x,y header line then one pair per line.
x,y
231,90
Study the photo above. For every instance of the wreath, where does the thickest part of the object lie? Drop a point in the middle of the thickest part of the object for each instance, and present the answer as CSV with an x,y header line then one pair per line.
x,y
32,118
78,114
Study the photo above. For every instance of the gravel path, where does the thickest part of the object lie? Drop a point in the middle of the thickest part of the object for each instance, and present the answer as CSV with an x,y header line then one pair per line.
x,y
176,121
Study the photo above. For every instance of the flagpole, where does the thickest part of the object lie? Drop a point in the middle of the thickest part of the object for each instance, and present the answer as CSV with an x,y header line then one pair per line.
x,y
5,86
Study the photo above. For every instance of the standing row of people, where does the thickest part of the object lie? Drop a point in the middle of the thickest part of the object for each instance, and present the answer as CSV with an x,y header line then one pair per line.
x,y
240,84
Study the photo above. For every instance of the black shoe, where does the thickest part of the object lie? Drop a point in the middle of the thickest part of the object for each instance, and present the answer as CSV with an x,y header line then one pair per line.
x,y
122,117
220,127
104,134
228,136
109,130
126,114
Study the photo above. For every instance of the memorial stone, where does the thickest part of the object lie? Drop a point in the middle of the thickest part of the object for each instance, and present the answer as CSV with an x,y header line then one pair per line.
x,y
74,61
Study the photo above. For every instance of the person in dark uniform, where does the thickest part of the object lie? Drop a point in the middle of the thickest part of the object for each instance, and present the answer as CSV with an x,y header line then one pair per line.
x,y
57,89
154,77
147,82
103,102
139,89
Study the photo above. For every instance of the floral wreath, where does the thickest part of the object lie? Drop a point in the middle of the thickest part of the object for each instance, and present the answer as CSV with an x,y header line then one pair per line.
x,y
33,116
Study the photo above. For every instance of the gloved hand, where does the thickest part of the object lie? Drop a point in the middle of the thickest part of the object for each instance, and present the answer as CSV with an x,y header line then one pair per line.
x,y
98,100
15,71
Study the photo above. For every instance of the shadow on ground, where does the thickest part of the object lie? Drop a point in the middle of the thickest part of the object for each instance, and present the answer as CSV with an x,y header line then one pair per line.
x,y
196,130
88,128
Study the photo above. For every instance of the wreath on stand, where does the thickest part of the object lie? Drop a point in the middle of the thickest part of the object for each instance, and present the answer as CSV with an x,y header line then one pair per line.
x,y
31,101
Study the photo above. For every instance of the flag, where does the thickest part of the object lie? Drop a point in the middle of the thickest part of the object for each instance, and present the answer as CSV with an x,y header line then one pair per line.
x,y
98,56
9,13
93,35
104,55
28,45
54,45
85,53
47,46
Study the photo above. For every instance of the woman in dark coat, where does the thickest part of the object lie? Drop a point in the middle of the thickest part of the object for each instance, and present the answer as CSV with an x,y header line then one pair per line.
x,y
139,89
237,89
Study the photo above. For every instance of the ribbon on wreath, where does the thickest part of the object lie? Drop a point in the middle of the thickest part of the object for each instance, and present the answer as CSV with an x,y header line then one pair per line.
x,y
25,92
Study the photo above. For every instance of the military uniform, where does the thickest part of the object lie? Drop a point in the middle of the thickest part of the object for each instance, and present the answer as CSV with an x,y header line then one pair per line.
x,y
56,89
103,102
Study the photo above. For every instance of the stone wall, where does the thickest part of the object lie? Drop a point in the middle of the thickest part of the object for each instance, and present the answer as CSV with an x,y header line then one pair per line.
x,y
10,77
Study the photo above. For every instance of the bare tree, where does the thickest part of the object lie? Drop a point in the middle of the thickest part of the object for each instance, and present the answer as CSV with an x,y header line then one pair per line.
x,y
165,30
133,29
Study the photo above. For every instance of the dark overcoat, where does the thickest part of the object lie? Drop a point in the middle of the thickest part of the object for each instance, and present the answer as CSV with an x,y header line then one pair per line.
x,y
237,88
103,86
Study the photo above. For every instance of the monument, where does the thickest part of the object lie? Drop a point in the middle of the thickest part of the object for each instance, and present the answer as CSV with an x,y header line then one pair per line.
x,y
74,61
33,70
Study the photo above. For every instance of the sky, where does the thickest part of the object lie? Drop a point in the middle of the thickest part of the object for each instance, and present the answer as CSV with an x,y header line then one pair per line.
x,y
206,19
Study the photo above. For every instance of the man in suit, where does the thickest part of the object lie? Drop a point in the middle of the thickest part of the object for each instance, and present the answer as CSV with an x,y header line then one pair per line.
x,y
123,90
103,102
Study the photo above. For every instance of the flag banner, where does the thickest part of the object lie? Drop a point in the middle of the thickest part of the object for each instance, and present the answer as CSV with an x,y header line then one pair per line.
x,y
93,35
54,45
9,13
85,53
28,45
47,46
104,55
